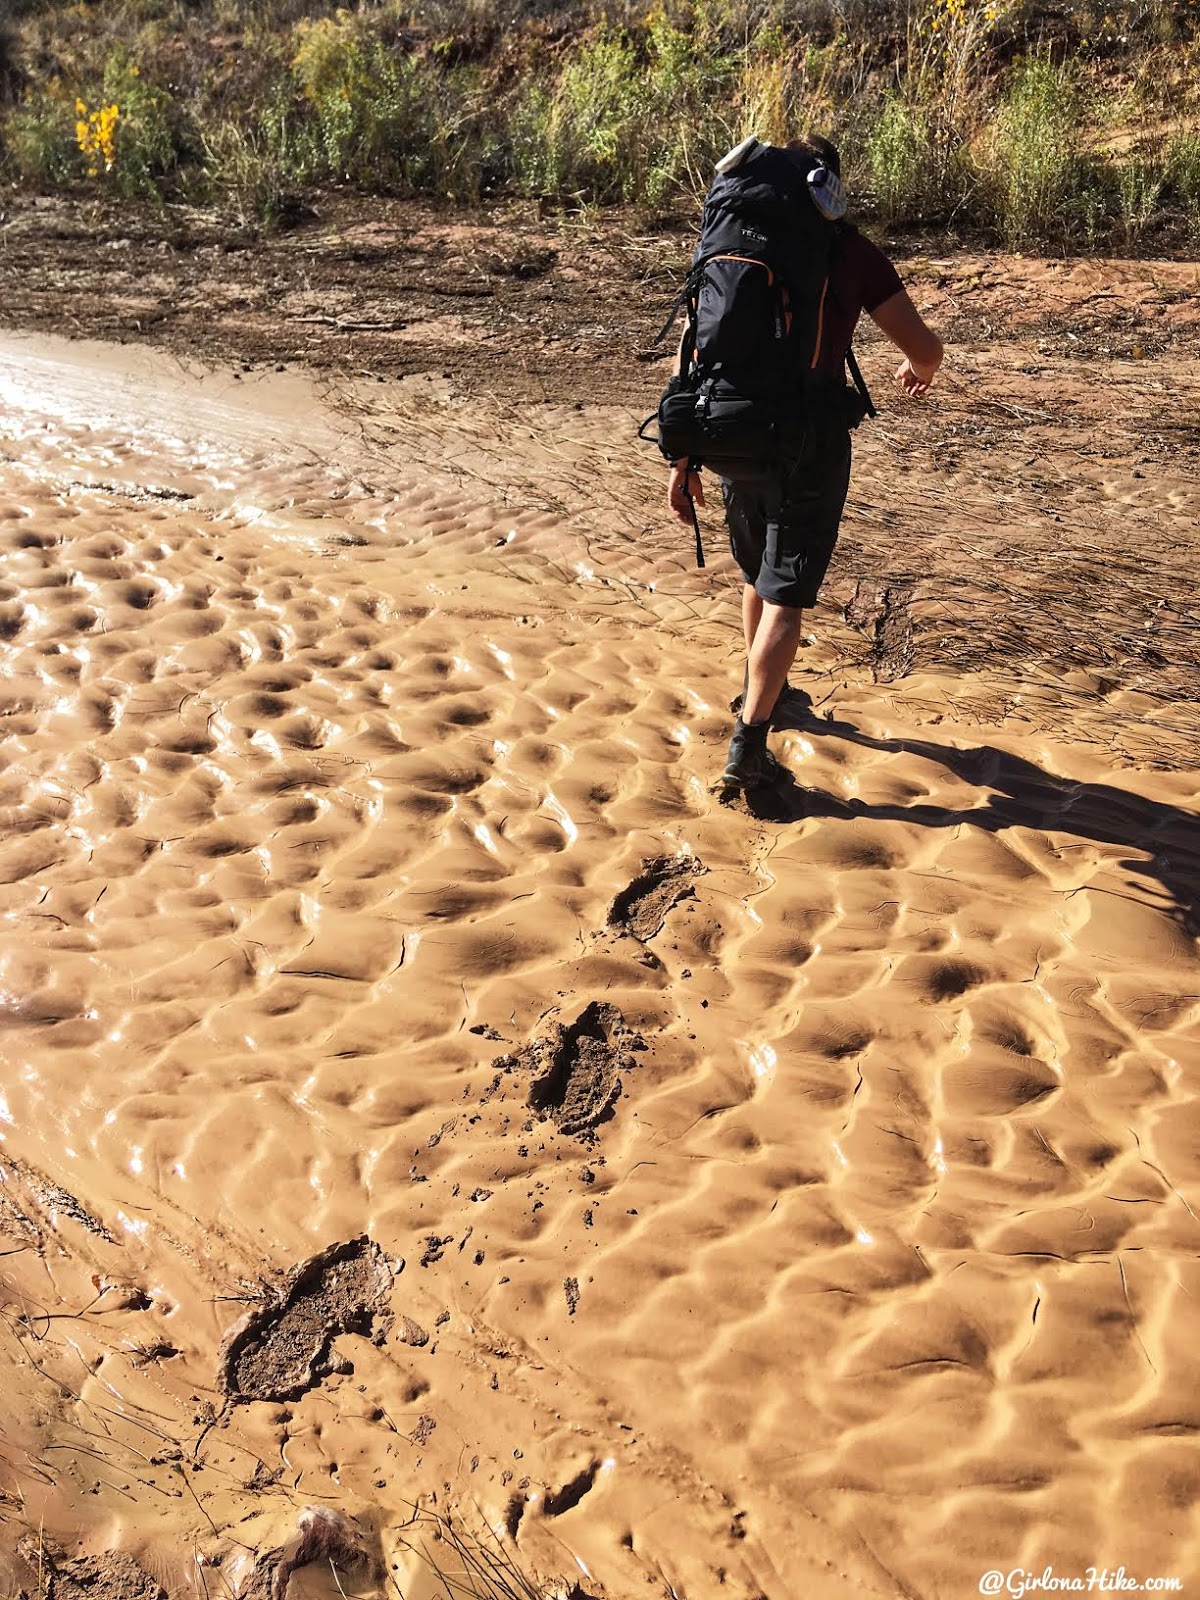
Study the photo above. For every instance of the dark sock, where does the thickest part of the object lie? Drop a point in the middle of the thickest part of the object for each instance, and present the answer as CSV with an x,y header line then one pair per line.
x,y
754,733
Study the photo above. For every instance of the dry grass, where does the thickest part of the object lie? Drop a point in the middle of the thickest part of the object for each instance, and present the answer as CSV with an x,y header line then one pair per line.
x,y
472,1565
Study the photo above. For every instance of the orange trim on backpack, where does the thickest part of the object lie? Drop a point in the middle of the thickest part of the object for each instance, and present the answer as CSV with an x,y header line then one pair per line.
x,y
816,356
750,261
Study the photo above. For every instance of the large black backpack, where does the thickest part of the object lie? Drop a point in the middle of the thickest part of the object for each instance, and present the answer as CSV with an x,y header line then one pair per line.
x,y
751,386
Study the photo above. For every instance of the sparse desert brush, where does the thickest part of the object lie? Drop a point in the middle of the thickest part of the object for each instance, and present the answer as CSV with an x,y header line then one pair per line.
x,y
786,85
145,142
593,118
769,104
1140,183
690,82
630,116
357,106
918,143
38,144
1182,164
105,124
971,110
241,164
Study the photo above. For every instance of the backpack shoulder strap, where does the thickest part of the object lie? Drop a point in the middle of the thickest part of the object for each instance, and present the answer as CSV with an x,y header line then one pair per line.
x,y
842,228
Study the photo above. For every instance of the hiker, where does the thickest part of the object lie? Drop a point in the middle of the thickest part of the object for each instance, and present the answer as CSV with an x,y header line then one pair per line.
x,y
783,492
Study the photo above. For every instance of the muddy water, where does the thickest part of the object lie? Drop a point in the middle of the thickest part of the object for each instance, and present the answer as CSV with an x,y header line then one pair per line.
x,y
863,1260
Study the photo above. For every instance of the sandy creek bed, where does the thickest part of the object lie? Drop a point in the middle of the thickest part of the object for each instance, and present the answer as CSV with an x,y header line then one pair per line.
x,y
848,1244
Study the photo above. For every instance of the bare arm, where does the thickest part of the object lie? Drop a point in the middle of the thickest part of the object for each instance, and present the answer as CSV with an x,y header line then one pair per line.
x,y
684,486
904,325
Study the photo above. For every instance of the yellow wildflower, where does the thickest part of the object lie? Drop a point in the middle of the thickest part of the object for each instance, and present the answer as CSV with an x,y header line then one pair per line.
x,y
96,136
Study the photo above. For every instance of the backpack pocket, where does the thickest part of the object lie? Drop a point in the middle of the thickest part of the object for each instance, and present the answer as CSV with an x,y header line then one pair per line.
x,y
742,315
679,430
739,429
730,432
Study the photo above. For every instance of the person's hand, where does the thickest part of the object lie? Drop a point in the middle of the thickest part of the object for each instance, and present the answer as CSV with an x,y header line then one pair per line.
x,y
684,484
915,376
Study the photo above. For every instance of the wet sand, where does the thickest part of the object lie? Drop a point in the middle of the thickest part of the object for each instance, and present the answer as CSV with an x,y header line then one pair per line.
x,y
812,1213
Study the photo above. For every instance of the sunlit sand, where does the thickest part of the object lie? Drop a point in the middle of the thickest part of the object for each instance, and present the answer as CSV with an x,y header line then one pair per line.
x,y
852,1248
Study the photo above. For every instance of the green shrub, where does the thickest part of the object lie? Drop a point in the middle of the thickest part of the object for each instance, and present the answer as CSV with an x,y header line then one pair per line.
x,y
1183,174
117,131
1140,185
593,119
39,141
531,162
1033,161
353,108
688,83
766,99
786,86
899,161
242,164
619,123
359,109
144,141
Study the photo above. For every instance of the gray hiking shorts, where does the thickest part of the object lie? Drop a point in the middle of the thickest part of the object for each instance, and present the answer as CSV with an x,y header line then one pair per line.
x,y
783,524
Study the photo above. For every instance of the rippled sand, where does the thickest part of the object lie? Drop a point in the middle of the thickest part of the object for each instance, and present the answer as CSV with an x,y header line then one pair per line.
x,y
322,770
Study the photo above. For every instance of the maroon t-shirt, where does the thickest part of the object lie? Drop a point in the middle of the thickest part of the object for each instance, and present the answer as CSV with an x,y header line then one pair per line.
x,y
860,278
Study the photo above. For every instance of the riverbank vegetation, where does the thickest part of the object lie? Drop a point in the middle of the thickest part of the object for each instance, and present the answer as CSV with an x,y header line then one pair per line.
x,y
1068,126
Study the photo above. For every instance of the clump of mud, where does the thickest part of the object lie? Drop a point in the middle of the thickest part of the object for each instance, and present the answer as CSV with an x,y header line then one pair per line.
x,y
577,1069
882,612
31,1205
321,1536
282,1349
641,907
109,1577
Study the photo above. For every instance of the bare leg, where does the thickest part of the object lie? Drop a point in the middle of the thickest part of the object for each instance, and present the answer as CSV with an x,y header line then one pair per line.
x,y
773,646
752,610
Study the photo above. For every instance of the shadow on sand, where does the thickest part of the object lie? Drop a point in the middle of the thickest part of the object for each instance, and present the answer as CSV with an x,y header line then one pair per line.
x,y
1022,795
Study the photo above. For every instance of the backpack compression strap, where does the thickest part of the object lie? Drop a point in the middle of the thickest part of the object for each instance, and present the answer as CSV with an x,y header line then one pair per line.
x,y
690,285
855,372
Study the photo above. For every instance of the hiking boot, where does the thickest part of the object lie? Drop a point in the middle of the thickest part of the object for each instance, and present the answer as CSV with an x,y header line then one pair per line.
x,y
750,764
